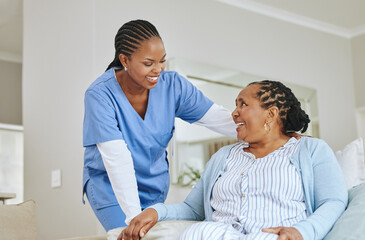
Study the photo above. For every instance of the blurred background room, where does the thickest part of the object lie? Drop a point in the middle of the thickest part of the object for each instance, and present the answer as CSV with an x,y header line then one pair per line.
x,y
51,51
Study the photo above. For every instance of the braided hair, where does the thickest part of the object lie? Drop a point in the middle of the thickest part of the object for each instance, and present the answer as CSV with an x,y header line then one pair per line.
x,y
129,37
273,93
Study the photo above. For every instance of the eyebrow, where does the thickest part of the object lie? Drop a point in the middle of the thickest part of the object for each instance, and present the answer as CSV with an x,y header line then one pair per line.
x,y
149,59
240,100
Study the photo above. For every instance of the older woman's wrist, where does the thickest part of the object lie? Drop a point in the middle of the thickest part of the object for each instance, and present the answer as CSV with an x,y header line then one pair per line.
x,y
302,228
161,210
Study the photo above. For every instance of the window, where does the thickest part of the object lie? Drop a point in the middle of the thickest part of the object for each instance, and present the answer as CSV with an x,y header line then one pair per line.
x,y
12,161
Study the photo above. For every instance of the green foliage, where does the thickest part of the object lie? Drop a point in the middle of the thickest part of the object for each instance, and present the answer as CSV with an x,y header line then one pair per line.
x,y
192,174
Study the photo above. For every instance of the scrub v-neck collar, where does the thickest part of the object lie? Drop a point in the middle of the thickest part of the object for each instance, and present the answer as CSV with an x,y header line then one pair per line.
x,y
129,103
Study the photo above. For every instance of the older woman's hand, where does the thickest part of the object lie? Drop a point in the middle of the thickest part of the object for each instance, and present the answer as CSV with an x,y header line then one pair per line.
x,y
139,225
285,233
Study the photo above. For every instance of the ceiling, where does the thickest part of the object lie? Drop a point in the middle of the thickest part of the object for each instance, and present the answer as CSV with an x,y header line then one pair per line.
x,y
347,14
345,18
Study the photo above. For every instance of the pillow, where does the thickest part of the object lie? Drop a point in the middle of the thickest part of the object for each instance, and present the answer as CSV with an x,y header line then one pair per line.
x,y
351,160
351,225
18,221
164,230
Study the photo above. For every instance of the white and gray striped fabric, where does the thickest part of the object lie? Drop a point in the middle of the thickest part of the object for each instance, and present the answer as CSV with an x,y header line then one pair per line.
x,y
253,194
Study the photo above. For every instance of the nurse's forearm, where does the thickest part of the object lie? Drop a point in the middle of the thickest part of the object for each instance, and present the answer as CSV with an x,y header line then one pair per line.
x,y
119,166
219,119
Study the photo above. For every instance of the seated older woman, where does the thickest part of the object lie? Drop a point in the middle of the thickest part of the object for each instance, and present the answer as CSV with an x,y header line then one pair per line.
x,y
271,186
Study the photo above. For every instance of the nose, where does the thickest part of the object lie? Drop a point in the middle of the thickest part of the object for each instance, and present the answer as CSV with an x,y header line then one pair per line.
x,y
235,114
159,68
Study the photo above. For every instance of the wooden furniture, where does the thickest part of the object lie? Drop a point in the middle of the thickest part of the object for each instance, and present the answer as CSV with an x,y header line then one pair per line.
x,y
5,196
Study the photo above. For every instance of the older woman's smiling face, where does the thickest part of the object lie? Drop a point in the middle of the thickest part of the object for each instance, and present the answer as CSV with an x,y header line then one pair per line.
x,y
249,115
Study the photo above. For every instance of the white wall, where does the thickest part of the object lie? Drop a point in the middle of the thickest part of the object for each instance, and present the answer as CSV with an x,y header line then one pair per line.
x,y
67,43
358,58
57,68
11,92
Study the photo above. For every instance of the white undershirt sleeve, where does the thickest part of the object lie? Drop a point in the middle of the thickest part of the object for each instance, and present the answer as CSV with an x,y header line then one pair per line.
x,y
118,163
219,119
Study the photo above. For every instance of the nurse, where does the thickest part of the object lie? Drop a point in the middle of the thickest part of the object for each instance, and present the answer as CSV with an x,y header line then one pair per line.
x,y
129,121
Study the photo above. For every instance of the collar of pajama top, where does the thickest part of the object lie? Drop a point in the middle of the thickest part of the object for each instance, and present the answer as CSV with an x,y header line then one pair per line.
x,y
256,193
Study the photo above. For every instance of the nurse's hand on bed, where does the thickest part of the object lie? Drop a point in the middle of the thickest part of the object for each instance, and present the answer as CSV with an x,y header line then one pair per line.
x,y
139,225
285,233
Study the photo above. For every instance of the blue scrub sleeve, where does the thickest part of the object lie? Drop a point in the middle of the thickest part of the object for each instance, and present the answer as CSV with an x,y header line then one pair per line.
x,y
100,124
191,104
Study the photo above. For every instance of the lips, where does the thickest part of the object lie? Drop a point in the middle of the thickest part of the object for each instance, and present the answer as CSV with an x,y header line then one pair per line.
x,y
152,78
240,124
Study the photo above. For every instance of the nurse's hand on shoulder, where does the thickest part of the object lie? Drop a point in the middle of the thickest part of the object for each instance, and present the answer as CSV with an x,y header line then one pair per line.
x,y
285,233
295,135
139,225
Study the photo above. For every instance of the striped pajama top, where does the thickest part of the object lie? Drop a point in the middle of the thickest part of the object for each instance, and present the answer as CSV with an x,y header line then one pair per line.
x,y
256,193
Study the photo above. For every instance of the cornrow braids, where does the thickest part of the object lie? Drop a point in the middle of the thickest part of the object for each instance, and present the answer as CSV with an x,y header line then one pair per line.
x,y
129,38
273,93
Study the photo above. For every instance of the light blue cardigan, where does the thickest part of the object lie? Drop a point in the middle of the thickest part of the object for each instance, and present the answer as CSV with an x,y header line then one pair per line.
x,y
323,185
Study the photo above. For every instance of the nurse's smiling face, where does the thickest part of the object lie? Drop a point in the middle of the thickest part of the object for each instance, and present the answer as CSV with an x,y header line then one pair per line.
x,y
146,63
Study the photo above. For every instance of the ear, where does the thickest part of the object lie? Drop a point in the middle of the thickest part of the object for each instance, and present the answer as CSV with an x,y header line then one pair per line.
x,y
272,114
124,60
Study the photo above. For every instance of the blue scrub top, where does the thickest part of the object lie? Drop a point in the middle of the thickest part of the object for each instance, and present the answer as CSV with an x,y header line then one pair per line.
x,y
110,116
